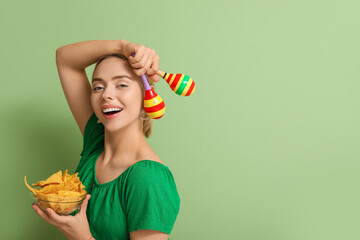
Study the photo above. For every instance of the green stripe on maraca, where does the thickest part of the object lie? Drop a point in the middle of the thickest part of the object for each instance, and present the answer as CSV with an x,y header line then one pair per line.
x,y
183,84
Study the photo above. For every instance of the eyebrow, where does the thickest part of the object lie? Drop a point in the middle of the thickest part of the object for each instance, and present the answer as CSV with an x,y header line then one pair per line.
x,y
113,78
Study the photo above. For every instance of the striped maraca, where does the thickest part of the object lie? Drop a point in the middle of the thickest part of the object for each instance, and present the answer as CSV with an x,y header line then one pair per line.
x,y
181,84
154,106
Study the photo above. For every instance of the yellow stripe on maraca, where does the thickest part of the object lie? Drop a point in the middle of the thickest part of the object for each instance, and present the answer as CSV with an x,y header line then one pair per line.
x,y
152,102
157,114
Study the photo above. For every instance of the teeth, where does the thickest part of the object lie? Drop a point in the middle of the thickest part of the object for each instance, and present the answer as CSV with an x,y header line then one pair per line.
x,y
111,109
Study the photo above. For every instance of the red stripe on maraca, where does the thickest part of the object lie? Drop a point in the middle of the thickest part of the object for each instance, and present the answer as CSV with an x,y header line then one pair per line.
x,y
149,94
155,108
169,78
190,89
176,80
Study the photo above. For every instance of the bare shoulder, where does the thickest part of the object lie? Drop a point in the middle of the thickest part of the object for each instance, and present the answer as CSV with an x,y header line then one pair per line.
x,y
157,159
149,154
152,157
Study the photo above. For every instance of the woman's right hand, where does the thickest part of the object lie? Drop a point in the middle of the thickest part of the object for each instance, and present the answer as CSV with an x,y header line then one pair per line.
x,y
145,61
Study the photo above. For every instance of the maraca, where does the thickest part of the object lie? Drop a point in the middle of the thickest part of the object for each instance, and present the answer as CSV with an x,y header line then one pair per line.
x,y
181,84
154,106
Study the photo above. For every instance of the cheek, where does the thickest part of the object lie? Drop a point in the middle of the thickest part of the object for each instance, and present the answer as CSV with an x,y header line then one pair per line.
x,y
93,101
134,97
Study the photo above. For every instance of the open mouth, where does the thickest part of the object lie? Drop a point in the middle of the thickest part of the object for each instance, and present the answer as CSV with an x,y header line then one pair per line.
x,y
112,114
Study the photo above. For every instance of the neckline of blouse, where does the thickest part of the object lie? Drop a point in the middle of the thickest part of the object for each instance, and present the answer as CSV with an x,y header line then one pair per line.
x,y
97,154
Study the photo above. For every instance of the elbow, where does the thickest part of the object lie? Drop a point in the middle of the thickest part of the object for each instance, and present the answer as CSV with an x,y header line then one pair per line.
x,y
58,55
58,50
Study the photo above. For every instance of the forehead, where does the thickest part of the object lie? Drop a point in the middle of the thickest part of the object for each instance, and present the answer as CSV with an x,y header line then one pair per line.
x,y
113,68
111,65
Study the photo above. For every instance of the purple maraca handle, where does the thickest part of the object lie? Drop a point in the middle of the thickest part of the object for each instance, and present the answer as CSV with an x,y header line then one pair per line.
x,y
145,81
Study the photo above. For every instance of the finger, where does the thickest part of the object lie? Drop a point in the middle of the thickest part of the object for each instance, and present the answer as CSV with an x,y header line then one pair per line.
x,y
154,68
40,212
84,205
143,65
154,77
139,63
139,54
156,64
55,218
148,65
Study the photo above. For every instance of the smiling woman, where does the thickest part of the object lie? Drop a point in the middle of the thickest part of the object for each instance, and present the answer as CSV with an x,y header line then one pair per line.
x,y
133,193
98,86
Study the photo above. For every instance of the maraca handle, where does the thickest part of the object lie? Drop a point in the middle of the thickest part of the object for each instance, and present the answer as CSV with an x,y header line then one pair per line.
x,y
161,73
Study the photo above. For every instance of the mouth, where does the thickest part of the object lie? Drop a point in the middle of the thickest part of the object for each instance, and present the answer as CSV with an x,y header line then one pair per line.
x,y
112,114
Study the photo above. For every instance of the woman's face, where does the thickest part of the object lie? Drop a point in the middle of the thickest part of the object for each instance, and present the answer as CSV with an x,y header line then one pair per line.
x,y
125,92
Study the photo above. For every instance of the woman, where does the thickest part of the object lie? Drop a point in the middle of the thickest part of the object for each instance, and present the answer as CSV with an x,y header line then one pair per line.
x,y
133,193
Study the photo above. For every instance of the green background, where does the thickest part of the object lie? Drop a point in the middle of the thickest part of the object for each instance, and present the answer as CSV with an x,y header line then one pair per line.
x,y
267,148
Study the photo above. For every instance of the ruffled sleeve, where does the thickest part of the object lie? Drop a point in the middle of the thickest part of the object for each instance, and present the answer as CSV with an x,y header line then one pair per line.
x,y
152,199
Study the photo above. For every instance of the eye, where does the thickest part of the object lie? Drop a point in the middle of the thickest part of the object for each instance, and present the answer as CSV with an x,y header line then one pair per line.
x,y
122,85
95,88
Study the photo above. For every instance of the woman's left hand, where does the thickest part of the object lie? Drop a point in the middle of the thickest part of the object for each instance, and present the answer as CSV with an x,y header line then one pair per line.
x,y
73,227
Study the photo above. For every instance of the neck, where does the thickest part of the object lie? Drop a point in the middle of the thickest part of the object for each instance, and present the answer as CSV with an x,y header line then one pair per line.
x,y
124,146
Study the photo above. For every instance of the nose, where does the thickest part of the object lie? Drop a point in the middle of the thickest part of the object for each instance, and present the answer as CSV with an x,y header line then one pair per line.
x,y
108,93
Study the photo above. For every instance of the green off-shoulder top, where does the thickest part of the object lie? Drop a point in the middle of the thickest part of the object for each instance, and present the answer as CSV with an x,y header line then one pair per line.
x,y
144,196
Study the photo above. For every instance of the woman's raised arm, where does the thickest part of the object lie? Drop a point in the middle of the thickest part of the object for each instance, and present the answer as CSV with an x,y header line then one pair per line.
x,y
83,54
71,61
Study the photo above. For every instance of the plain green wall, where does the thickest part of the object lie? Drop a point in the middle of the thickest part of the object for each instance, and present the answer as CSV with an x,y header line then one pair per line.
x,y
266,149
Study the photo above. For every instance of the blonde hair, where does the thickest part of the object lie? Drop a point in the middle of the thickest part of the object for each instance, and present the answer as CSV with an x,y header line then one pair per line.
x,y
148,123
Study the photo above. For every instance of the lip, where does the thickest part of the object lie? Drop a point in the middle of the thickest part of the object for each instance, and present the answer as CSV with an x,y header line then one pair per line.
x,y
109,117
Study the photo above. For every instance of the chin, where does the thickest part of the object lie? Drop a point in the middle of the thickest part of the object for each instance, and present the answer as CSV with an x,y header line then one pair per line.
x,y
117,124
